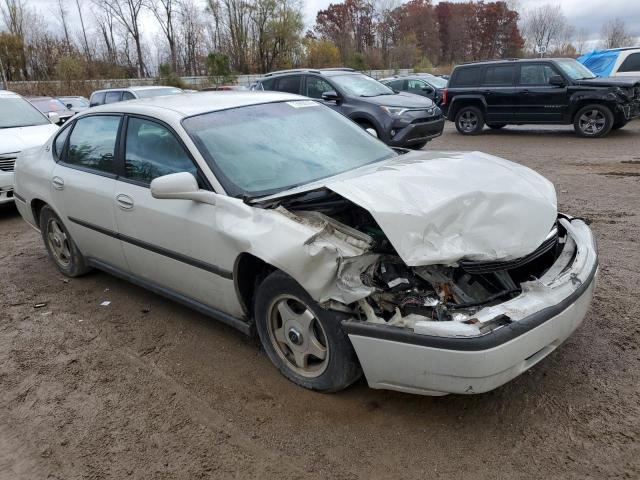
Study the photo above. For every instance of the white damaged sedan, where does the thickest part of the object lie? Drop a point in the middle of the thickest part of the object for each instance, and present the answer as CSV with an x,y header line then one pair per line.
x,y
429,272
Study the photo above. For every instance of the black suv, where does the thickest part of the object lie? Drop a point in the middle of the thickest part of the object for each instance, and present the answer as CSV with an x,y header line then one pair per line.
x,y
398,119
539,91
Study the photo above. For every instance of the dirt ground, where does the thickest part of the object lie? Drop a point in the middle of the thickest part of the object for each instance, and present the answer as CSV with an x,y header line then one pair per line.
x,y
144,388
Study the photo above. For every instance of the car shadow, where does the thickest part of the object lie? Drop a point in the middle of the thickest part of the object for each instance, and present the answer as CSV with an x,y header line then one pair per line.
x,y
8,211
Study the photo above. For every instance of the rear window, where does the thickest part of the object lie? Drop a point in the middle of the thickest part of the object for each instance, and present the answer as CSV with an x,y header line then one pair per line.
x,y
113,97
466,77
631,63
97,99
499,75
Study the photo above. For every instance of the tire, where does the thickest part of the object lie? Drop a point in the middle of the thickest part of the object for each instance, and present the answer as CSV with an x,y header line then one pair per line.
x,y
60,246
469,120
496,126
296,333
619,124
593,121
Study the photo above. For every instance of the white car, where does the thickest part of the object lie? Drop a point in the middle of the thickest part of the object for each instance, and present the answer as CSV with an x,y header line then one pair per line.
x,y
431,272
22,126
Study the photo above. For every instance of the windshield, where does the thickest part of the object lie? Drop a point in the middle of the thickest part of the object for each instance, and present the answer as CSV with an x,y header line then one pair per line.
x,y
263,149
574,69
359,85
48,104
17,112
75,102
156,92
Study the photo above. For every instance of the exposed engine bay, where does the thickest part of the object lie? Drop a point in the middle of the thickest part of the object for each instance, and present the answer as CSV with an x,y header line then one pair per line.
x,y
402,295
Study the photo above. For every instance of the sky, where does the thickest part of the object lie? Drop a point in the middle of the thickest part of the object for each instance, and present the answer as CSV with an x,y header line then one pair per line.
x,y
582,14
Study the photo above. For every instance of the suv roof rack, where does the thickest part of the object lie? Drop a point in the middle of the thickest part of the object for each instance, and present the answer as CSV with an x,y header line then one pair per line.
x,y
337,69
492,60
292,70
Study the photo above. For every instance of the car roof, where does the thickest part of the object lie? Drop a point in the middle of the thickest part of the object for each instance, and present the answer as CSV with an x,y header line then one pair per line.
x,y
511,60
328,72
134,89
188,104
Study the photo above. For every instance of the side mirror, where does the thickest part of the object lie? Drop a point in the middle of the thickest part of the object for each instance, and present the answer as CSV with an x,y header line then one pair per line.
x,y
180,186
69,106
556,80
331,96
53,117
427,89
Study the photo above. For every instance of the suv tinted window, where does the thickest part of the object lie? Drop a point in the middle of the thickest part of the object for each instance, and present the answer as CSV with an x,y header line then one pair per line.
x,y
499,75
288,84
317,86
113,97
93,141
467,77
536,74
97,99
153,151
631,63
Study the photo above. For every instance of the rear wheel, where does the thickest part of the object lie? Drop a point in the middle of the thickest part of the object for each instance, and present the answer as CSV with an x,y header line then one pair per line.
x,y
469,120
593,121
60,246
302,339
496,126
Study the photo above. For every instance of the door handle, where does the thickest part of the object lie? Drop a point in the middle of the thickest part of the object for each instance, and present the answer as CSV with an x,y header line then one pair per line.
x,y
58,183
125,202
526,92
487,92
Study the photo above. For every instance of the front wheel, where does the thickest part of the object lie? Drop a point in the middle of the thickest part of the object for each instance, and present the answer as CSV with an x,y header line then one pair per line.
x,y
60,246
593,121
469,120
302,339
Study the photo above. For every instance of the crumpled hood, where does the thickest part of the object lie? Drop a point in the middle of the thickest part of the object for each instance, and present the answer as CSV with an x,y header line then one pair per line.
x,y
441,207
18,139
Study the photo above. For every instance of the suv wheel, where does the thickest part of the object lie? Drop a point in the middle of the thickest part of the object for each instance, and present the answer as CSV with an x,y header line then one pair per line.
x,y
60,246
469,120
370,129
303,340
593,121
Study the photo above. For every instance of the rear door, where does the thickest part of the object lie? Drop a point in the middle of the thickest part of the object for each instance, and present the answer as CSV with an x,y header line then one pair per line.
x,y
83,185
538,100
168,243
289,84
498,89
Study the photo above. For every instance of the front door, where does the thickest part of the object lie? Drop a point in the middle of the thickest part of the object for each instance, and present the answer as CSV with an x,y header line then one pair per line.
x,y
83,184
538,100
168,242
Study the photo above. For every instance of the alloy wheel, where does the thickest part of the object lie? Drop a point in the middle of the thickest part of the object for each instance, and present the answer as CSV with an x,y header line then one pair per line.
x,y
297,336
592,122
468,121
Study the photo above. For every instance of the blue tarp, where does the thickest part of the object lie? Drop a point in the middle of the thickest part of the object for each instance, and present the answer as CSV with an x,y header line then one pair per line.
x,y
600,62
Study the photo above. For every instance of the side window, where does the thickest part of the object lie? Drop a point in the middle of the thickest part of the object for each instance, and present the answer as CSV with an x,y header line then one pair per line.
x,y
317,86
395,85
128,96
267,84
288,84
417,86
153,151
97,99
499,76
631,63
92,143
467,77
536,74
58,144
113,97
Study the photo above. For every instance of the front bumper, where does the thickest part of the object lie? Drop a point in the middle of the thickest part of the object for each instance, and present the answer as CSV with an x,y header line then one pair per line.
x,y
631,110
543,316
416,132
6,187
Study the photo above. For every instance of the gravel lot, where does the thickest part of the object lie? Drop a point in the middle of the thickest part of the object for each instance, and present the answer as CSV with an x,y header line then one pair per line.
x,y
144,388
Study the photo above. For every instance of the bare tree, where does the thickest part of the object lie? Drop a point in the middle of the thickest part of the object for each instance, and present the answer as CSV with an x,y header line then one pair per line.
x,y
127,13
62,15
191,36
581,41
615,34
165,13
545,25
87,50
